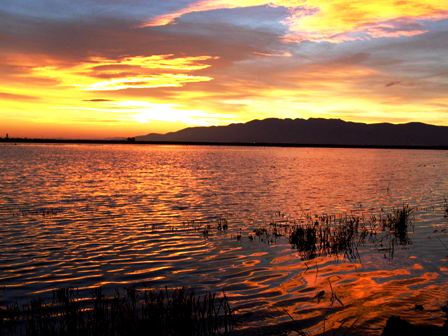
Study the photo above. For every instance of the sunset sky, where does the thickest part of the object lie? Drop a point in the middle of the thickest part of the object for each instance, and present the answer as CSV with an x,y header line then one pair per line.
x,y
111,68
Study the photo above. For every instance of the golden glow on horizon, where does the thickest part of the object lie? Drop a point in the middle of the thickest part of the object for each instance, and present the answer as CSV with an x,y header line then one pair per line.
x,y
324,90
67,95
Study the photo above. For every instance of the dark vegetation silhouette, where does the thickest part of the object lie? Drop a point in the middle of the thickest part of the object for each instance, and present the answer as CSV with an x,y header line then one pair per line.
x,y
165,312
396,326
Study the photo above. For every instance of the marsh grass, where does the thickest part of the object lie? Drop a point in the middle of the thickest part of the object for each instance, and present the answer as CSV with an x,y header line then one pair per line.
x,y
317,235
134,312
331,235
343,235
328,235
399,222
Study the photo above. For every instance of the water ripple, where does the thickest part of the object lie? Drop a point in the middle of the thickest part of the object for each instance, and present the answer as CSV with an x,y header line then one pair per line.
x,y
88,215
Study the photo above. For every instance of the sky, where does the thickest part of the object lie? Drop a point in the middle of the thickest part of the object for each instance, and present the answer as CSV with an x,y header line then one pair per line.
x,y
114,68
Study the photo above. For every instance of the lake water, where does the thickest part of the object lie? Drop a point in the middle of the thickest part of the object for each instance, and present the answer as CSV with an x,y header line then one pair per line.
x,y
89,215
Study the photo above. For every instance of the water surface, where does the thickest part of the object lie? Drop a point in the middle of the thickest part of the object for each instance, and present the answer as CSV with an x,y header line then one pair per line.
x,y
89,215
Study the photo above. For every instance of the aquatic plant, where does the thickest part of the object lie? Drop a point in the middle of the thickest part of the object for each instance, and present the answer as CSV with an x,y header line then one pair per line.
x,y
328,235
315,235
398,222
304,239
331,235
134,312
223,224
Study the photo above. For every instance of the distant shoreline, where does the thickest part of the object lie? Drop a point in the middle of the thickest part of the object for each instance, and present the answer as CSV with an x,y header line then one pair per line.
x,y
227,144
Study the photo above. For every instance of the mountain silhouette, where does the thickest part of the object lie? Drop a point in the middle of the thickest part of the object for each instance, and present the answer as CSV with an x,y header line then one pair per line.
x,y
311,131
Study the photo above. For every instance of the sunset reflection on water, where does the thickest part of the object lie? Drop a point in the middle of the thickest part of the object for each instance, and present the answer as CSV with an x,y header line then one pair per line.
x,y
89,215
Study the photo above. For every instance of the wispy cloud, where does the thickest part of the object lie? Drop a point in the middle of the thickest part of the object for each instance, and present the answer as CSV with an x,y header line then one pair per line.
x,y
97,100
138,72
15,96
333,20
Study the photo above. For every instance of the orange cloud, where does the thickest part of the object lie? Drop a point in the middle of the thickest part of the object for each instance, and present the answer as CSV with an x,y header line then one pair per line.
x,y
140,73
334,20
12,96
59,94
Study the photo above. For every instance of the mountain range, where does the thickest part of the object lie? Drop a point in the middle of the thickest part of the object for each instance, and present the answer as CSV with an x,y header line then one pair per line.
x,y
313,131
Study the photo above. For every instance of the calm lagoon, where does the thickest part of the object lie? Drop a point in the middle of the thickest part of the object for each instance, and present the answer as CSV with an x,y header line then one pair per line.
x,y
153,216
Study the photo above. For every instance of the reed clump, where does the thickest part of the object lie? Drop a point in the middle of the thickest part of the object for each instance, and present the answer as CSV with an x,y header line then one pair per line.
x,y
328,235
134,312
304,239
332,235
398,222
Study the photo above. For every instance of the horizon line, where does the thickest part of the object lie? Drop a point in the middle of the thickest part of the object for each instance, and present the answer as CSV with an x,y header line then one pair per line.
x,y
132,141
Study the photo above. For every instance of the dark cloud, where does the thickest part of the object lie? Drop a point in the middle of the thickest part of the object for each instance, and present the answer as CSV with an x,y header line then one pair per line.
x,y
11,96
392,83
98,100
78,40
